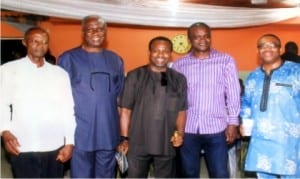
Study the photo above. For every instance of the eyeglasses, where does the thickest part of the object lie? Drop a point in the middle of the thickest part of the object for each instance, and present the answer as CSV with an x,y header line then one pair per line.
x,y
164,80
268,46
99,73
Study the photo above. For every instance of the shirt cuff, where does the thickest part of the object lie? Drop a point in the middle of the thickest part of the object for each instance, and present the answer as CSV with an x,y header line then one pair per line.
x,y
234,121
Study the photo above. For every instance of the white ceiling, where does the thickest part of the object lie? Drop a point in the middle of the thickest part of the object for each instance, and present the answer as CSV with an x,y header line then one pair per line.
x,y
162,13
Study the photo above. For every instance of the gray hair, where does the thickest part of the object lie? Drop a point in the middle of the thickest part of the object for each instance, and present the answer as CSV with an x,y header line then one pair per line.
x,y
87,18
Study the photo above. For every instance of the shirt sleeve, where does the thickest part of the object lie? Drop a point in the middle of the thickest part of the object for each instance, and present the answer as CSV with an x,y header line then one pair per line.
x,y
68,102
121,79
67,110
128,95
63,61
232,92
246,100
183,90
5,99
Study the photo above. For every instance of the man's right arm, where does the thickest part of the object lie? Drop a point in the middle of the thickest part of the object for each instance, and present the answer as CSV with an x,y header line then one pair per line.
x,y
126,104
124,128
11,143
5,98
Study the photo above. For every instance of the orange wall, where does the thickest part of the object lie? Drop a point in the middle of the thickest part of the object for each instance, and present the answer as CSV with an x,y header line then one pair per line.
x,y
240,43
8,31
131,42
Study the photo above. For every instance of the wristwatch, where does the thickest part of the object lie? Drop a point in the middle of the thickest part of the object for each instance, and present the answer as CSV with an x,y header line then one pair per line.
x,y
123,138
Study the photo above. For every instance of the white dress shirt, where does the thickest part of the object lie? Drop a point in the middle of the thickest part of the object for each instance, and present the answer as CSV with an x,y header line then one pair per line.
x,y
42,116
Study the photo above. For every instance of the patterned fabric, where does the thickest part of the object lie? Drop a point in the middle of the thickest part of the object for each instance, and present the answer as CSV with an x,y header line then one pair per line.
x,y
274,146
209,81
243,153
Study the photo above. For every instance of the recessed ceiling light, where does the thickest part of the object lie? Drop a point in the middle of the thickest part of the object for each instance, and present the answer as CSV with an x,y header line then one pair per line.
x,y
259,1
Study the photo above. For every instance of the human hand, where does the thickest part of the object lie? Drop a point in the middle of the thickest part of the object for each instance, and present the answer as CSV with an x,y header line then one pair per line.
x,y
241,128
231,133
177,139
11,143
123,147
65,153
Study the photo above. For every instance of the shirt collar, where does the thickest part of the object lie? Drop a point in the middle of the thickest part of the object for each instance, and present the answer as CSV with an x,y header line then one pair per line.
x,y
212,51
29,63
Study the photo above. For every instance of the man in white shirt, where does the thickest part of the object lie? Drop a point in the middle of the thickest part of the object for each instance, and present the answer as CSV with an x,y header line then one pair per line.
x,y
36,111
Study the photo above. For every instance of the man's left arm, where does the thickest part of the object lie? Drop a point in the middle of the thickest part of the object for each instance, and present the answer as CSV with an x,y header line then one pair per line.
x,y
177,138
233,95
121,77
178,135
68,118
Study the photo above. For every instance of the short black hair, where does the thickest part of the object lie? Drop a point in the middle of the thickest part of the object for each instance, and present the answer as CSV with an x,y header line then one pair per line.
x,y
270,35
199,24
160,38
30,30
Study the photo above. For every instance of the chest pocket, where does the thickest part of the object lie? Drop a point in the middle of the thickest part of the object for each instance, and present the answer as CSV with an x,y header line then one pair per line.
x,y
283,88
100,82
173,101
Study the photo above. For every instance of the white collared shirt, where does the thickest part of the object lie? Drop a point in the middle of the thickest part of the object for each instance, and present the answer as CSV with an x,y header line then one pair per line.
x,y
42,115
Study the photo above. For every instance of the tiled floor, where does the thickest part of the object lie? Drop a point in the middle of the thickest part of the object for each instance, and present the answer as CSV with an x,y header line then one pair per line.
x,y
5,166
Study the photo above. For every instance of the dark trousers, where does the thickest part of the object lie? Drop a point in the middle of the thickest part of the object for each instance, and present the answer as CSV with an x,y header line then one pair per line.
x,y
37,165
94,164
139,166
216,155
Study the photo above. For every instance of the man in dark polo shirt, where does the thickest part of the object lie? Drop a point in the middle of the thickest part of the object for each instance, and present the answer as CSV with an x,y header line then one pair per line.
x,y
153,105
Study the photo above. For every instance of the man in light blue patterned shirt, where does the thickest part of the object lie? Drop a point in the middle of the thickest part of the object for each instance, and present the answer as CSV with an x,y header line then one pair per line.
x,y
272,101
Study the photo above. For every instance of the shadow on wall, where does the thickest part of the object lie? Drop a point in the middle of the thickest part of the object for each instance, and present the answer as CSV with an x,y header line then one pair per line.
x,y
11,49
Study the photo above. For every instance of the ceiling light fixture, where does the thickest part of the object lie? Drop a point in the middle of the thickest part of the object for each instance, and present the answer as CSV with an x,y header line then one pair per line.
x,y
259,1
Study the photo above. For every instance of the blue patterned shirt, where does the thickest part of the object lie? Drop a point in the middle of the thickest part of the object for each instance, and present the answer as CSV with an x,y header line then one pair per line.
x,y
273,102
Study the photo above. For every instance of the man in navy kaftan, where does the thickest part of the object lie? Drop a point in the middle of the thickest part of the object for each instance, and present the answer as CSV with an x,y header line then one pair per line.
x,y
97,78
